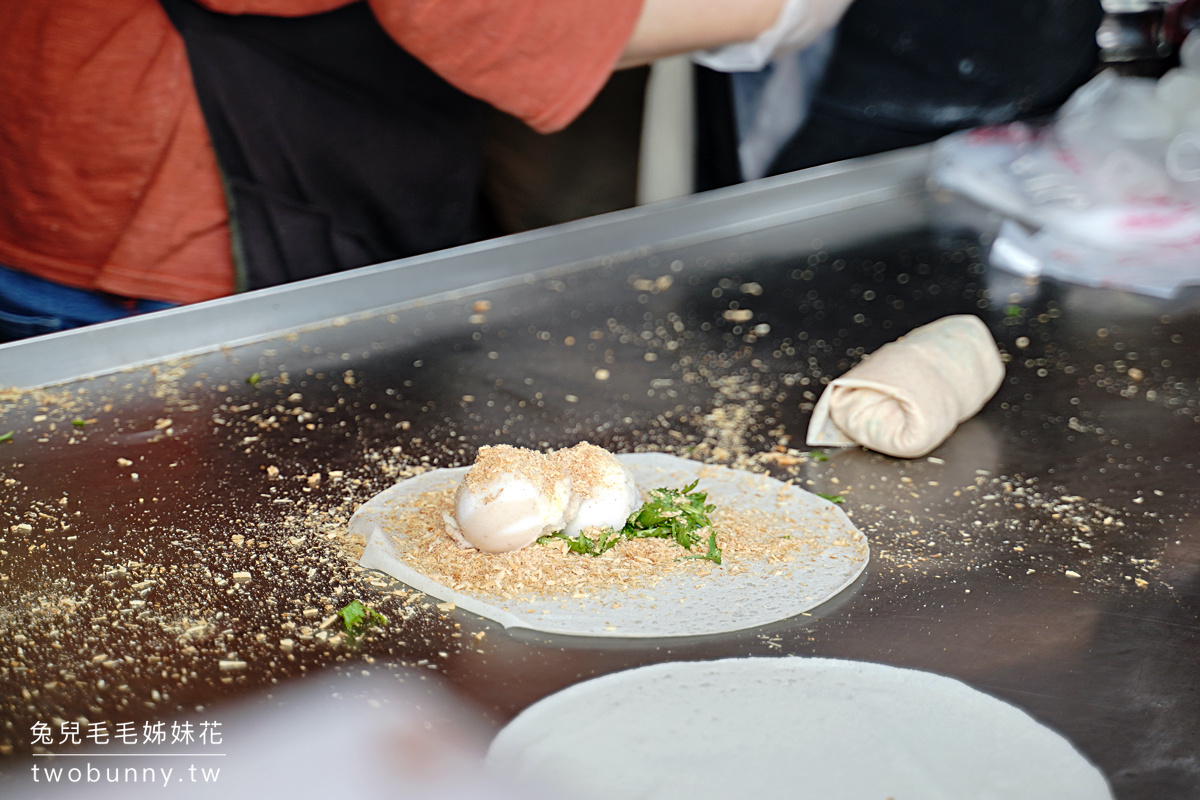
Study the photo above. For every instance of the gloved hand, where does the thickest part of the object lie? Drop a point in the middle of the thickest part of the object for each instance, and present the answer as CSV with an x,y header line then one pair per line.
x,y
799,24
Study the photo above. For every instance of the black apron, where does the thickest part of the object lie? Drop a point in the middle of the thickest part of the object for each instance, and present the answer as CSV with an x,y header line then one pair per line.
x,y
337,148
904,72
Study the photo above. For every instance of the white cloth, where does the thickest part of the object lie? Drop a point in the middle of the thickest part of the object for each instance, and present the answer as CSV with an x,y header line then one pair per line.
x,y
909,396
771,105
799,24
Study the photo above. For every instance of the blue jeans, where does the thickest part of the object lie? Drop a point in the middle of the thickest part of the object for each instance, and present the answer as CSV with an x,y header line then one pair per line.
x,y
31,306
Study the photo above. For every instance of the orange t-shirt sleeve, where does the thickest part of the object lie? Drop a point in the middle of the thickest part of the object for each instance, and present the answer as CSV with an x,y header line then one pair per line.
x,y
540,60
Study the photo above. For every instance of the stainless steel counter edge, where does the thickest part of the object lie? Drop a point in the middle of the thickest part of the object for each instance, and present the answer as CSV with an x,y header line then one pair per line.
x,y
203,327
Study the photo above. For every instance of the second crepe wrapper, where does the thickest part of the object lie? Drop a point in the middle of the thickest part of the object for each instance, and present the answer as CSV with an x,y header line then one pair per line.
x,y
907,397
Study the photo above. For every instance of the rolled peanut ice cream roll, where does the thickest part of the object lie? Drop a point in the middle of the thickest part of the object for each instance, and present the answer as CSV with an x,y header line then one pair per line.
x,y
908,397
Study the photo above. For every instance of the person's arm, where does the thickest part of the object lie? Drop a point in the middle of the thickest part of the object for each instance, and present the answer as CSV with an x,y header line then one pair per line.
x,y
729,35
670,27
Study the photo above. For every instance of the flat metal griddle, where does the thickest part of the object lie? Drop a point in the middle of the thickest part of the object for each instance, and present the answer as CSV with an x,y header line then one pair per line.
x,y
1048,554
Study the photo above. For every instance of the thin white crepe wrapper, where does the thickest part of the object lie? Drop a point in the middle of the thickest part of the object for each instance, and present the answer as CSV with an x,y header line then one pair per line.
x,y
909,396
789,728
682,604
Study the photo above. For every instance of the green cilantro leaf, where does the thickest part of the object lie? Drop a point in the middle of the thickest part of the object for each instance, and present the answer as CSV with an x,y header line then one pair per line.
x,y
833,498
680,515
357,618
714,551
254,379
7,437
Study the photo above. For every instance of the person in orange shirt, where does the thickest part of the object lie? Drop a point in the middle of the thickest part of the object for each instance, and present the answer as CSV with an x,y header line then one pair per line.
x,y
159,152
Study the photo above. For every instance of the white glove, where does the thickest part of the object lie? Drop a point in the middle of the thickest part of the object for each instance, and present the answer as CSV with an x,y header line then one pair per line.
x,y
800,23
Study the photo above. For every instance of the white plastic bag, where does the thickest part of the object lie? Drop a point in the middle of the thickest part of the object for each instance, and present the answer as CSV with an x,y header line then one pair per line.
x,y
799,24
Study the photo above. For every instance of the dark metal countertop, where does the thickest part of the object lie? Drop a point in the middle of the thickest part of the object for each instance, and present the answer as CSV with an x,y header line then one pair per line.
x,y
1047,554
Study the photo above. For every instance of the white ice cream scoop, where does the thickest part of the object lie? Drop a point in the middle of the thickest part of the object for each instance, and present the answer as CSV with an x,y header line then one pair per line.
x,y
509,498
605,488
